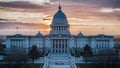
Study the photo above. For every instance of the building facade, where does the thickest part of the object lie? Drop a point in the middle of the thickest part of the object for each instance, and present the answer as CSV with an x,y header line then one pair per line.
x,y
59,39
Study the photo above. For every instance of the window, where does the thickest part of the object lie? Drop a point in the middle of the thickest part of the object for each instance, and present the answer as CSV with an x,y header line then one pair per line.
x,y
62,51
66,45
59,46
62,46
105,45
65,51
56,46
53,46
56,51
53,51
59,51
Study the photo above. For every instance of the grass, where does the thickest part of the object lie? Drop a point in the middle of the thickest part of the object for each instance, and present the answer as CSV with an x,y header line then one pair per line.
x,y
21,65
97,66
30,66
89,66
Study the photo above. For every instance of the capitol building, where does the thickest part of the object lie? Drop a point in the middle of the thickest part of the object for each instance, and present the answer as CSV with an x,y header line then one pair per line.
x,y
59,39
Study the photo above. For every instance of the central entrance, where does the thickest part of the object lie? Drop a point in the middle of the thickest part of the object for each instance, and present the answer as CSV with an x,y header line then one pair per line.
x,y
59,46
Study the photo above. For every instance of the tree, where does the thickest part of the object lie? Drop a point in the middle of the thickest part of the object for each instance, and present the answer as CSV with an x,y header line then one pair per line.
x,y
34,54
15,55
117,48
2,46
107,57
87,52
78,52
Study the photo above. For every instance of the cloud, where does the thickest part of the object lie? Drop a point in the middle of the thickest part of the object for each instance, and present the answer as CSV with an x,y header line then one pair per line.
x,y
32,1
109,10
1,19
21,4
8,28
28,17
100,3
13,25
89,8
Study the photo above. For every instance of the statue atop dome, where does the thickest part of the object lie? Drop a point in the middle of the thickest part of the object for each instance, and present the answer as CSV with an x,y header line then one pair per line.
x,y
59,7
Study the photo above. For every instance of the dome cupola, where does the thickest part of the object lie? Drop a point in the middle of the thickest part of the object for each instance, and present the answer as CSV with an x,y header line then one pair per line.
x,y
59,17
59,23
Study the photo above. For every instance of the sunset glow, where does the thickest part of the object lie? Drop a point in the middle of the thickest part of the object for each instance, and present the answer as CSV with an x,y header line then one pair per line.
x,y
87,16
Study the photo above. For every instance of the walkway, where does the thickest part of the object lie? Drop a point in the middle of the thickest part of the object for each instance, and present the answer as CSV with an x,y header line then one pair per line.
x,y
59,61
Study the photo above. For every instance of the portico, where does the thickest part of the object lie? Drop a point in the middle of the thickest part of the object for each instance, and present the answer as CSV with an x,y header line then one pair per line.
x,y
60,46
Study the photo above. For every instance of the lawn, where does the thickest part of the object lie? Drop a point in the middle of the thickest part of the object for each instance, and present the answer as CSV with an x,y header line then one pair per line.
x,y
97,66
30,66
89,66
21,65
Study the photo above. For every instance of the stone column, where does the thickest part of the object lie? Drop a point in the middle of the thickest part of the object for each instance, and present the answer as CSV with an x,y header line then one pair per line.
x,y
61,45
55,45
64,46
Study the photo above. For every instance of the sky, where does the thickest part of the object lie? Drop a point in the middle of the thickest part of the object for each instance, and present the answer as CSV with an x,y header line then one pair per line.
x,y
90,17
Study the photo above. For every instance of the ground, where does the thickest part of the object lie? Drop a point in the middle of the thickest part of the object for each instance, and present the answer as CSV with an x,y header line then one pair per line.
x,y
97,66
21,65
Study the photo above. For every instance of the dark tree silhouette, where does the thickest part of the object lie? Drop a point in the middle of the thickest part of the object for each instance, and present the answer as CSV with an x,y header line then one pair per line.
x,y
34,54
108,57
117,48
2,46
43,53
15,55
87,52
73,52
77,52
